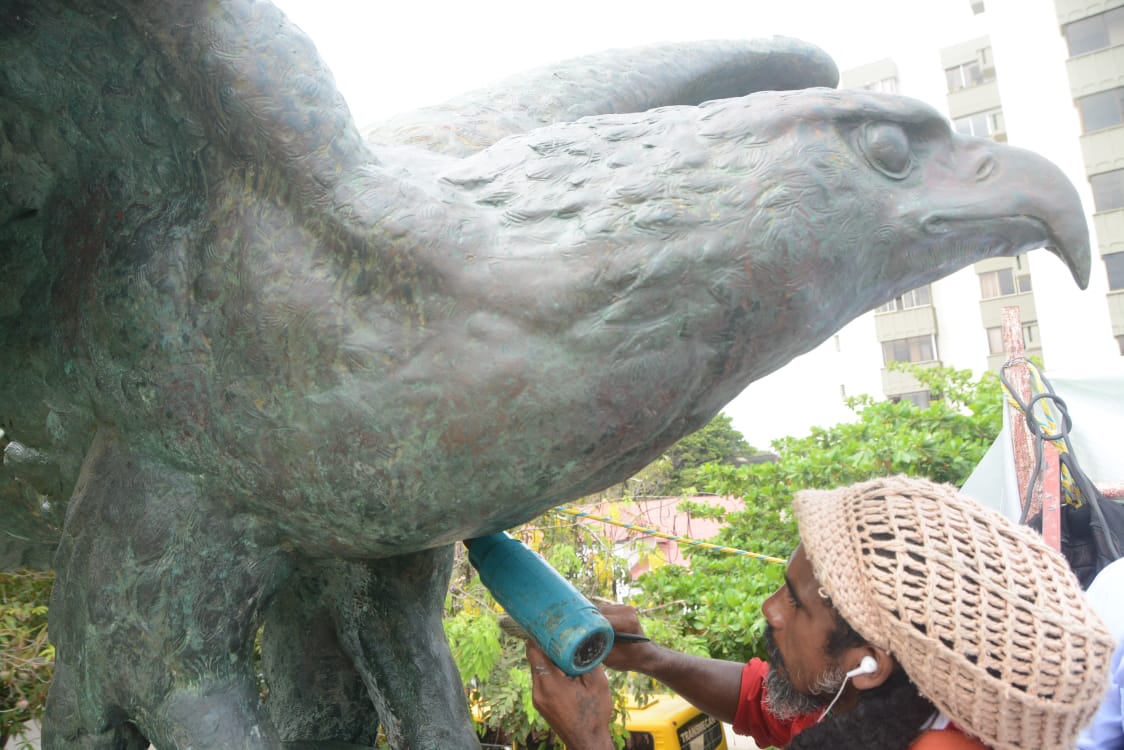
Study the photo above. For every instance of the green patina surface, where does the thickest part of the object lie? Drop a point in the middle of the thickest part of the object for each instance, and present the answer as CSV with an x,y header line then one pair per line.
x,y
256,370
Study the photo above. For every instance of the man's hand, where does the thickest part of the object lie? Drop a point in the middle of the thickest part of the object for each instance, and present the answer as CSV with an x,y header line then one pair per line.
x,y
627,656
711,685
578,709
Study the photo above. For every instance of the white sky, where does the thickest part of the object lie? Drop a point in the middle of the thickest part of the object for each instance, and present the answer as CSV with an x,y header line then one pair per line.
x,y
392,57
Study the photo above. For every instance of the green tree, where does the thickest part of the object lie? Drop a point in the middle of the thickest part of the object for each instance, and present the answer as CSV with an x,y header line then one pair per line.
x,y
722,595
676,472
717,442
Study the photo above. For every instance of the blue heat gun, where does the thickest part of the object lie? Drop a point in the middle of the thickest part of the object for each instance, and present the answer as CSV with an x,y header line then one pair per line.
x,y
566,625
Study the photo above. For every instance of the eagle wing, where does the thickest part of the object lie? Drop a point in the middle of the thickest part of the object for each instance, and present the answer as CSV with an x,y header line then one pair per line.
x,y
610,82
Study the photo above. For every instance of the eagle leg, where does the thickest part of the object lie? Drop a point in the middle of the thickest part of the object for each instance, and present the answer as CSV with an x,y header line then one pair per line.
x,y
315,692
156,601
387,614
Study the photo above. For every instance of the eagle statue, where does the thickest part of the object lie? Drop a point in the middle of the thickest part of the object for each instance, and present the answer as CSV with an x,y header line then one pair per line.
x,y
258,369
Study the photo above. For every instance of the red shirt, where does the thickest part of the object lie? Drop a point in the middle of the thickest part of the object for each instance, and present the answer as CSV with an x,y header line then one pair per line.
x,y
767,731
752,718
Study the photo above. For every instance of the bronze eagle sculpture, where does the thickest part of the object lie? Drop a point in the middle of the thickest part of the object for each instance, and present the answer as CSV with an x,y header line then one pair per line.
x,y
255,368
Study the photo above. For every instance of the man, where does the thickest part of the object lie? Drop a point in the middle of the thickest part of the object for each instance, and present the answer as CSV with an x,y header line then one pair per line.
x,y
927,621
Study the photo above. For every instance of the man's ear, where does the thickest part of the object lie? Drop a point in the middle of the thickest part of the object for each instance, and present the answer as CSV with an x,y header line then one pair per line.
x,y
884,666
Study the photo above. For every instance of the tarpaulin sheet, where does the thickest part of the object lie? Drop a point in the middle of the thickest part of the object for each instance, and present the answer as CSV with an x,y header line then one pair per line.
x,y
1095,403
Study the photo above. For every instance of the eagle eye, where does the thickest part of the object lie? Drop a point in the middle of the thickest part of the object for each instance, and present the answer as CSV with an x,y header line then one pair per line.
x,y
886,146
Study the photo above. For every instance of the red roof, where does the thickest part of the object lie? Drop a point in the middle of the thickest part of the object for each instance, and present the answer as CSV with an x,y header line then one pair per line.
x,y
662,514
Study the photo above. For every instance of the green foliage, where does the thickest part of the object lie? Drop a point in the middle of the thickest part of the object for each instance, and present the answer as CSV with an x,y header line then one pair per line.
x,y
477,638
720,597
943,442
676,472
717,442
26,658
492,662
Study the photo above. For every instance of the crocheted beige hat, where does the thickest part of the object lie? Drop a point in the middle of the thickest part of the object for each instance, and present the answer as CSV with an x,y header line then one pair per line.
x,y
987,621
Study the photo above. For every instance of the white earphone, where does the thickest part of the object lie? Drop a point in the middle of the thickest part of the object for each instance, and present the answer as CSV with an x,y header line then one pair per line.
x,y
868,665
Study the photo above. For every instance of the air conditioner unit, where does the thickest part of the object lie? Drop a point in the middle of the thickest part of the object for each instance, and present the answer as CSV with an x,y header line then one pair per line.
x,y
977,6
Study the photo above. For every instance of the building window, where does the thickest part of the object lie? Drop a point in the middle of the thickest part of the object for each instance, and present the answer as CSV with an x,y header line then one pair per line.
x,y
918,297
1104,109
995,338
964,76
1003,283
1108,190
1114,264
885,85
920,399
1095,32
981,124
912,349
999,283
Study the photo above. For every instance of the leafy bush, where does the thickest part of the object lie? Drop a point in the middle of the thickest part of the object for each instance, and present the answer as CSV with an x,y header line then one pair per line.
x,y
28,659
491,661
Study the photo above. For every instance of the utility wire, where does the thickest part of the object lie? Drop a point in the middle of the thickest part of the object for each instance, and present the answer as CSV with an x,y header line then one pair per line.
x,y
569,510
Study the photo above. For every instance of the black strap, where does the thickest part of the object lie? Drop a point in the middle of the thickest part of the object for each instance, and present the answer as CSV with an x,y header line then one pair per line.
x,y
1067,458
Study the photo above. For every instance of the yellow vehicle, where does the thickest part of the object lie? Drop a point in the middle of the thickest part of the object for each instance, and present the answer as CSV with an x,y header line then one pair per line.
x,y
667,722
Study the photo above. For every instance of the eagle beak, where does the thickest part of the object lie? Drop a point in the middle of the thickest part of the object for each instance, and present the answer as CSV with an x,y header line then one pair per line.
x,y
1056,203
1016,199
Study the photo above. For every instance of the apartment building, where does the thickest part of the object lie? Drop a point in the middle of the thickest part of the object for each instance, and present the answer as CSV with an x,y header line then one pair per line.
x,y
1094,35
1004,79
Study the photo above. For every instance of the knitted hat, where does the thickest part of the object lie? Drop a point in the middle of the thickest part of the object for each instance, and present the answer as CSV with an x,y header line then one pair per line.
x,y
986,620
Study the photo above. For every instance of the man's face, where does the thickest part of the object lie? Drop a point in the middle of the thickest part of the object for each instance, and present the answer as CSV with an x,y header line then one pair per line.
x,y
802,678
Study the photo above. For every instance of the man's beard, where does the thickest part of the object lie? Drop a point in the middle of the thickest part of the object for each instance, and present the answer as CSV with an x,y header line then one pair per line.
x,y
782,699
